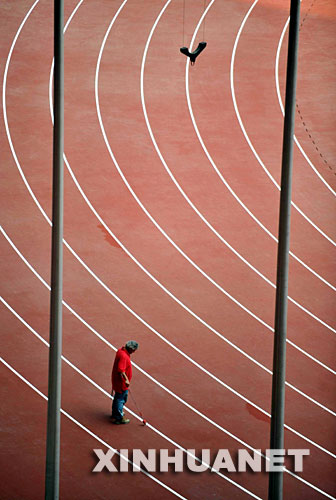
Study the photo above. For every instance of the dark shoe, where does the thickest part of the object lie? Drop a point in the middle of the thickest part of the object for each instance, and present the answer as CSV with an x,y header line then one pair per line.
x,y
122,421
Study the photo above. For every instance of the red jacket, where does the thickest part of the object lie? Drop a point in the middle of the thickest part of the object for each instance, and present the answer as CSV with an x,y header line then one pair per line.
x,y
122,363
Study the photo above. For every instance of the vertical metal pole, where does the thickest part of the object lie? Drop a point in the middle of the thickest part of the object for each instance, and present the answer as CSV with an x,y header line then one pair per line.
x,y
55,352
275,491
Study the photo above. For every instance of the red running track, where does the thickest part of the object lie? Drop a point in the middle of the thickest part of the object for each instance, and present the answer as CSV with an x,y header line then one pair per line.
x,y
170,225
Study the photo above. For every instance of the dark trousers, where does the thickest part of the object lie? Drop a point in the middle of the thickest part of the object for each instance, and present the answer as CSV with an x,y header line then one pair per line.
x,y
119,400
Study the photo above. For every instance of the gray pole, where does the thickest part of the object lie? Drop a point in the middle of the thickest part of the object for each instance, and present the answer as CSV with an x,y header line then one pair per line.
x,y
275,490
55,352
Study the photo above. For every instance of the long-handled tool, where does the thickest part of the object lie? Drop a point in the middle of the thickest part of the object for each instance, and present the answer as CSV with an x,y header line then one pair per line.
x,y
140,413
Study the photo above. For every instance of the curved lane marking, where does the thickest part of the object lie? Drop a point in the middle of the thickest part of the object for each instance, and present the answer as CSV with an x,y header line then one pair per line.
x,y
227,185
39,205
156,430
248,140
97,386
310,163
102,338
89,270
142,206
143,268
124,457
191,204
77,257
130,310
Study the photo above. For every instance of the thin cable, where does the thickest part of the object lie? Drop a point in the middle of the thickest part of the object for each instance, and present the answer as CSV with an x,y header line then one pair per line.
x,y
183,19
204,5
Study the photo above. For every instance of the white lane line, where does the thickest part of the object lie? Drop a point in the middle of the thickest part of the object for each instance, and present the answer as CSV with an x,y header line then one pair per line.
x,y
48,220
149,425
149,274
140,203
4,109
227,185
89,431
147,325
192,313
310,163
91,272
124,457
180,352
191,204
142,206
246,135
97,386
70,249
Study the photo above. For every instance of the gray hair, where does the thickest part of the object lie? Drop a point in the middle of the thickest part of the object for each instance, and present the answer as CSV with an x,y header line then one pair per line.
x,y
131,344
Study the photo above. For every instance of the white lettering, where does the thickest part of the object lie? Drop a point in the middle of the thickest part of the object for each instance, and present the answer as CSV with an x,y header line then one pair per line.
x,y
298,458
104,461
223,461
253,461
276,458
123,462
148,462
201,465
176,459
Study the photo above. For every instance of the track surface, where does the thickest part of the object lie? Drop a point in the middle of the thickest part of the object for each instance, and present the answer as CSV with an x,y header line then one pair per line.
x,y
171,209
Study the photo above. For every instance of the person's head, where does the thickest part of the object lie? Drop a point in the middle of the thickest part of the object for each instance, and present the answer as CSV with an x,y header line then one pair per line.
x,y
131,346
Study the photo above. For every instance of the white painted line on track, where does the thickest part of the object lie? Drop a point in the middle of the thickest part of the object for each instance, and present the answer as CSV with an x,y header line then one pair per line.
x,y
92,433
139,202
4,110
119,242
86,267
208,326
151,276
191,204
149,425
109,291
227,185
246,135
35,2
147,325
135,260
310,163
153,379
97,386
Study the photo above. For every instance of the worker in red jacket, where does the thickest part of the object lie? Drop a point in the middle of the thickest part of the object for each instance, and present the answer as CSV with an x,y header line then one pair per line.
x,y
121,378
